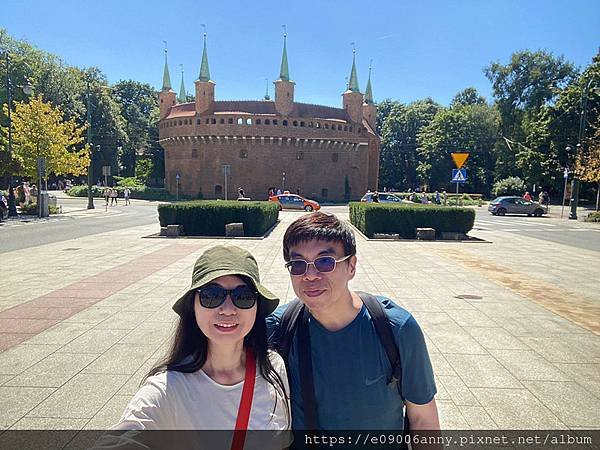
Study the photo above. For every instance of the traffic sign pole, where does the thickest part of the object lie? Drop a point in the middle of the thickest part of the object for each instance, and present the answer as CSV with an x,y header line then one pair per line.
x,y
566,177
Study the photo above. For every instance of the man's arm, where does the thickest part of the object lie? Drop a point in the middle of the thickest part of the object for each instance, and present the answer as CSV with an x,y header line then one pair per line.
x,y
423,417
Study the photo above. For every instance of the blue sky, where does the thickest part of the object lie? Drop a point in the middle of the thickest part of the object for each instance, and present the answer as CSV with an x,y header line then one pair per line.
x,y
419,49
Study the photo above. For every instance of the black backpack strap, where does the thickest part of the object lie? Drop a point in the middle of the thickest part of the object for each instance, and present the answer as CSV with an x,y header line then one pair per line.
x,y
306,373
386,336
287,328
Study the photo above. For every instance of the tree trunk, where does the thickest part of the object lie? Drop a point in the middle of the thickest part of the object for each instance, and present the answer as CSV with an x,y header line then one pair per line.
x,y
597,195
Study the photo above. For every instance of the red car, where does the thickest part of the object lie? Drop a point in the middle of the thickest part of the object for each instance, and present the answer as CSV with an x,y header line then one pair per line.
x,y
293,201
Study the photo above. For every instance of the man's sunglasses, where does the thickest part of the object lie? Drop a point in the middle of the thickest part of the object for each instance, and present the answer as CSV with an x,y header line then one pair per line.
x,y
213,296
323,264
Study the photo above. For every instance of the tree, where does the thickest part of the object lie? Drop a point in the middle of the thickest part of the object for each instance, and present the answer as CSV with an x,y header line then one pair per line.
x,y
472,128
468,96
139,108
398,160
40,131
587,164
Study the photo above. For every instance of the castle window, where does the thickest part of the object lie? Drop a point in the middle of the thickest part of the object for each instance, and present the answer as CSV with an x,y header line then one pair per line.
x,y
334,157
221,120
180,123
257,121
207,121
198,122
299,155
213,121
218,189
285,123
295,123
345,127
318,125
324,192
302,124
274,121
339,128
243,154
327,126
248,121
194,153
240,121
267,122
310,124
230,120
350,129
161,100
359,129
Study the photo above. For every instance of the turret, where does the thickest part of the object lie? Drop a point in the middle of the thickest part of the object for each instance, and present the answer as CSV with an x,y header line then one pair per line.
x,y
352,98
369,108
182,94
167,96
284,87
205,87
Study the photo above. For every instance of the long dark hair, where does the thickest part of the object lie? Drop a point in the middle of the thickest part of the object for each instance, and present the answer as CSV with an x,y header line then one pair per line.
x,y
189,348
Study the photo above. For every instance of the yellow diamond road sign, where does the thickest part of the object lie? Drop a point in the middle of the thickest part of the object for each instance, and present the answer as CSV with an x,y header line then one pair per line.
x,y
459,159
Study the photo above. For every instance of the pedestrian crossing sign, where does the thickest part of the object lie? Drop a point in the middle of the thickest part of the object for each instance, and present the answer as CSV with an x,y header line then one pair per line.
x,y
459,175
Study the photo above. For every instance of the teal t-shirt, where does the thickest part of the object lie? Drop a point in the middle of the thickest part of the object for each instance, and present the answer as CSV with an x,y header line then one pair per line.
x,y
351,371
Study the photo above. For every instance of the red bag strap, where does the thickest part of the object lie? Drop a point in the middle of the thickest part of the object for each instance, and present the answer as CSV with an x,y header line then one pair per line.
x,y
243,417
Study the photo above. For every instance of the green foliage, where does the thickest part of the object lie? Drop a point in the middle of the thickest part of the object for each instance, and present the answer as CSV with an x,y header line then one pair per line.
x,y
209,217
399,129
593,217
31,209
128,181
371,218
468,96
509,186
82,191
143,169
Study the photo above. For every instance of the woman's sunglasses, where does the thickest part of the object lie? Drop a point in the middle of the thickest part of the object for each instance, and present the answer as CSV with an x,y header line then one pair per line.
x,y
213,296
323,264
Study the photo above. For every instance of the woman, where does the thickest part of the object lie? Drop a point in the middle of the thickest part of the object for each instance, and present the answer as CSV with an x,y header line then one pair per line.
x,y
218,353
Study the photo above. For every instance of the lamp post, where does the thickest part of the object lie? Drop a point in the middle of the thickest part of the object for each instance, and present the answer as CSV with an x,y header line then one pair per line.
x,y
89,141
582,123
28,90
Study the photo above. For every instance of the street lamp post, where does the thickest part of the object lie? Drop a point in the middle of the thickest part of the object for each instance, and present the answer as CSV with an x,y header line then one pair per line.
x,y
582,123
28,90
89,141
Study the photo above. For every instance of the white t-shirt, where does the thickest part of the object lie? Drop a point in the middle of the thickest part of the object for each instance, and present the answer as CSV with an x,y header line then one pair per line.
x,y
193,401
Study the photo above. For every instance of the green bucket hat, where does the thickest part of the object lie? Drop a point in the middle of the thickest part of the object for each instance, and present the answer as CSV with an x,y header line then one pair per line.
x,y
226,260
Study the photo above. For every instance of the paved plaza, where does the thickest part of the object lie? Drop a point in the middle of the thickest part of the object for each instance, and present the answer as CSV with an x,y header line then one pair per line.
x,y
512,324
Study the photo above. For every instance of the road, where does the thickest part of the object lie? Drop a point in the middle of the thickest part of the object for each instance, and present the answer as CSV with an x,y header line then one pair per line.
x,y
77,222
563,231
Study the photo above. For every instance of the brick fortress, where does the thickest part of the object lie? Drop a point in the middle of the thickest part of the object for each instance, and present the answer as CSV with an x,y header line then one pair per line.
x,y
326,153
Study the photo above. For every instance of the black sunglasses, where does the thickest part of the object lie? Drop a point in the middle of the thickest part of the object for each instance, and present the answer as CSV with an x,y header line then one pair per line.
x,y
323,264
213,296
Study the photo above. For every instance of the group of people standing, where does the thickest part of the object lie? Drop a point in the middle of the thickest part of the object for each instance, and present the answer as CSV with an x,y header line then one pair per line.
x,y
113,195
240,361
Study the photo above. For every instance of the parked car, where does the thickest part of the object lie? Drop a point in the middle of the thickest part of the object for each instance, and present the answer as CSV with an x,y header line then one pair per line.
x,y
384,197
515,205
294,201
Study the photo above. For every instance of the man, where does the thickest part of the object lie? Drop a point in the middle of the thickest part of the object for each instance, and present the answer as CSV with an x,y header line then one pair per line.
x,y
351,371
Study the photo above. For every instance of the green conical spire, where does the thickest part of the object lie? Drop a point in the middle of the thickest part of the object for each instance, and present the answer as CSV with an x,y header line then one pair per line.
x,y
204,70
284,72
182,95
353,84
166,78
369,90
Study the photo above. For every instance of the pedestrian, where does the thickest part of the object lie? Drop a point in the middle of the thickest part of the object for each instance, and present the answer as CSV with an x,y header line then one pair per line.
x,y
3,206
241,193
438,199
298,191
445,197
352,374
424,199
33,192
375,197
113,196
126,194
527,196
218,356
106,195
278,191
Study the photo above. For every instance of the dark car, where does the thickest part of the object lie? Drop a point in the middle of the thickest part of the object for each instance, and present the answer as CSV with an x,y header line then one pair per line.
x,y
515,205
384,197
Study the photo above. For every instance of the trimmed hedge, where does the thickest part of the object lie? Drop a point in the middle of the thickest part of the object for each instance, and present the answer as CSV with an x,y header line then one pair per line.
x,y
371,218
137,192
209,217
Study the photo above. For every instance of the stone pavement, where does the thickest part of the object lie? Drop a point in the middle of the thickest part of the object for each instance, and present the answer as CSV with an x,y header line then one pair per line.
x,y
511,325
